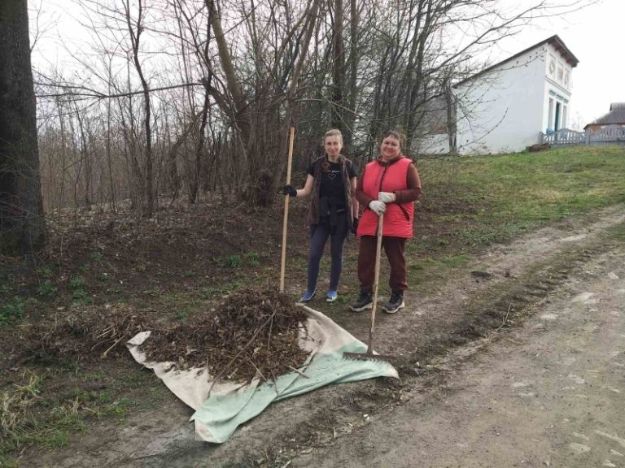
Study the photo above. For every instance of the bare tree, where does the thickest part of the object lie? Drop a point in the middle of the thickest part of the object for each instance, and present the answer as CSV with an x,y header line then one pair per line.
x,y
22,225
338,67
136,26
198,94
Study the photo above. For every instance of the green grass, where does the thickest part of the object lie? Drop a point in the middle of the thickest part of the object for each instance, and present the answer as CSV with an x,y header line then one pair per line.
x,y
12,310
248,259
78,286
472,202
617,232
527,188
32,415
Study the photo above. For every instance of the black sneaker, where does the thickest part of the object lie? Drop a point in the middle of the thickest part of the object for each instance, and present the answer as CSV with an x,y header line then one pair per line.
x,y
364,302
395,303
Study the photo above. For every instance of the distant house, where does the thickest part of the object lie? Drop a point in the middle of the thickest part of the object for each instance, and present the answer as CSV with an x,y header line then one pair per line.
x,y
505,107
613,119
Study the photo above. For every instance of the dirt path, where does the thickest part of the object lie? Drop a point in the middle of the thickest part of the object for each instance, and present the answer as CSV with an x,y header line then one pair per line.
x,y
512,284
548,394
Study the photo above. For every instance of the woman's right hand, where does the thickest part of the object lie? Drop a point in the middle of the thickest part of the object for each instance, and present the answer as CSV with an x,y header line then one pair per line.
x,y
354,225
289,190
378,207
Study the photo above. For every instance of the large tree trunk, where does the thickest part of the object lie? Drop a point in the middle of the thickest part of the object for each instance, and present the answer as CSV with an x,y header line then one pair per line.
x,y
22,225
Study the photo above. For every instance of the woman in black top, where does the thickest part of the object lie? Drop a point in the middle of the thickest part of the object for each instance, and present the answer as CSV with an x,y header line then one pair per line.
x,y
333,210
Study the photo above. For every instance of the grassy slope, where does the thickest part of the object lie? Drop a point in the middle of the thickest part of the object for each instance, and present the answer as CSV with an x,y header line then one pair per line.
x,y
472,202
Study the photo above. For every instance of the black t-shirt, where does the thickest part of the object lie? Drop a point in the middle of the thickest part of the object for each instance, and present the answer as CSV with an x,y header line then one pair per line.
x,y
331,185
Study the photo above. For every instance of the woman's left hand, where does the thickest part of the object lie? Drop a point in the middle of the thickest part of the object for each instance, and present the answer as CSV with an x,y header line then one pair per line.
x,y
386,197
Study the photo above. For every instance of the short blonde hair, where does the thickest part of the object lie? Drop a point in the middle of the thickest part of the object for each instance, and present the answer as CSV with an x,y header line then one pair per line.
x,y
332,132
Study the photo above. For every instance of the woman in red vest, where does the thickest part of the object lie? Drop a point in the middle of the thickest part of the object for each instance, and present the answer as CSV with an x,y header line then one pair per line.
x,y
389,185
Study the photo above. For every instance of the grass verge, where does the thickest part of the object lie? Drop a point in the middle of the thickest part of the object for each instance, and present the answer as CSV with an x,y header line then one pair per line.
x,y
473,202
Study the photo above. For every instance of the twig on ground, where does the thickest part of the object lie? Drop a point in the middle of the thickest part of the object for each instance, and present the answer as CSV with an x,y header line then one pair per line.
x,y
505,319
299,372
103,355
257,369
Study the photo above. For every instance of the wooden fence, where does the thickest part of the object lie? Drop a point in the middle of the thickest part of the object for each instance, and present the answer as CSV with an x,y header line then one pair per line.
x,y
607,135
565,136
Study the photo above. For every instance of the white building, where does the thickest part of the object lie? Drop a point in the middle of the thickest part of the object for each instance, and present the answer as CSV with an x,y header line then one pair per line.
x,y
505,107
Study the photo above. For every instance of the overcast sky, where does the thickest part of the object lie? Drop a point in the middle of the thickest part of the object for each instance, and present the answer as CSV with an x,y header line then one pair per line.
x,y
594,35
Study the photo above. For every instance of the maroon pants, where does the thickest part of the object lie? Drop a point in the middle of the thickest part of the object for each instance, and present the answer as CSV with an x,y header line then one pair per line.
x,y
394,248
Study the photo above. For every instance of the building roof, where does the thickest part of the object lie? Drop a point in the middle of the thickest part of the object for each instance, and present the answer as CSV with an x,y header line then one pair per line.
x,y
616,116
554,40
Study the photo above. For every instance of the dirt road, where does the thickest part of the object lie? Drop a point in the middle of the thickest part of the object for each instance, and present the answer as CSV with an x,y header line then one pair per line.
x,y
551,393
517,361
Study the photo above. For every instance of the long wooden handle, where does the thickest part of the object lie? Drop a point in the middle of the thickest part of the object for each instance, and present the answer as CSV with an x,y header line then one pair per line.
x,y
376,280
285,222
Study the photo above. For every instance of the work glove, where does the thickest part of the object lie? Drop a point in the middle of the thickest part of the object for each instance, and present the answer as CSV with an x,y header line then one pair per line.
x,y
377,207
288,190
386,197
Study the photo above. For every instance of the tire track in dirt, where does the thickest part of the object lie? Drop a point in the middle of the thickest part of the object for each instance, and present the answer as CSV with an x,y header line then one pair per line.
x,y
548,393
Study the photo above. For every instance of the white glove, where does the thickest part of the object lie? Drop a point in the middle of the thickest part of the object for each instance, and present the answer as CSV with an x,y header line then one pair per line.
x,y
377,207
386,197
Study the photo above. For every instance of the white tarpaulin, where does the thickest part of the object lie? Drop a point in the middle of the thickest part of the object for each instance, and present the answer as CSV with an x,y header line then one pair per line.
x,y
228,405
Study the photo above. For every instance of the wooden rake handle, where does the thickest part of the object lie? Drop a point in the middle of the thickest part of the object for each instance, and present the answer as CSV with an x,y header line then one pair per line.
x,y
376,280
286,209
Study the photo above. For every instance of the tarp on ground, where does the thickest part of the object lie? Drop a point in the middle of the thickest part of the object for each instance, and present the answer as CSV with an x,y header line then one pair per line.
x,y
220,407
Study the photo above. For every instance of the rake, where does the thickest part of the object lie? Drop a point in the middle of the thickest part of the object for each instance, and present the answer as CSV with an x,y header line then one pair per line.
x,y
369,355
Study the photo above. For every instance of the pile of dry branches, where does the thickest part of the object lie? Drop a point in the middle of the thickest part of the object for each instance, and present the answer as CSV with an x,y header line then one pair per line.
x,y
251,333
85,333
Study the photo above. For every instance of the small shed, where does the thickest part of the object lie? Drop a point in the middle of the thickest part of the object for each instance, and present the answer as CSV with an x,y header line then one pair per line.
x,y
614,119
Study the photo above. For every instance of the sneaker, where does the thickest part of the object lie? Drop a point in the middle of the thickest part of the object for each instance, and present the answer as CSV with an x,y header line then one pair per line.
x,y
395,303
307,296
331,295
364,302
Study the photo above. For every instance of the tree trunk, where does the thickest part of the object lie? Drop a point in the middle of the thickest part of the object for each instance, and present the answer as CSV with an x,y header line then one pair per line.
x,y
135,30
338,68
451,119
108,146
84,158
354,59
22,224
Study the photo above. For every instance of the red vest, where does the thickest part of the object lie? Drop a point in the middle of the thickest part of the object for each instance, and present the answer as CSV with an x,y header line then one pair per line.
x,y
398,218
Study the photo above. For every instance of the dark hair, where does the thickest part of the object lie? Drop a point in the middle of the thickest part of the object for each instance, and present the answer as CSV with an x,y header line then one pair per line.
x,y
397,135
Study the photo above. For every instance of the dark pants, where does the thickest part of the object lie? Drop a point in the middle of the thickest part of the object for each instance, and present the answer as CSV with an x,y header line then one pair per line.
x,y
319,234
394,248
